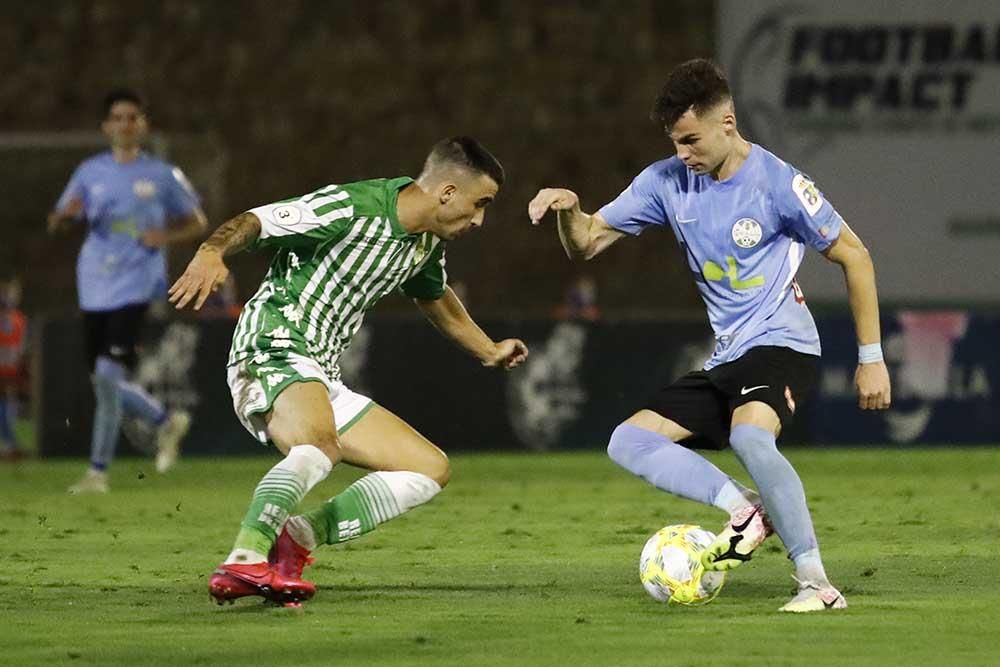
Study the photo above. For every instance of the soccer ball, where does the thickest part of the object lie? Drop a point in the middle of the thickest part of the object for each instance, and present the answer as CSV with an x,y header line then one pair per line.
x,y
670,566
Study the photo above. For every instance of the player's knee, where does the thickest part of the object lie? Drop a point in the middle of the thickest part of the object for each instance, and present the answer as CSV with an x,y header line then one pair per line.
x,y
749,441
106,368
438,468
309,463
105,380
409,488
287,435
329,444
621,443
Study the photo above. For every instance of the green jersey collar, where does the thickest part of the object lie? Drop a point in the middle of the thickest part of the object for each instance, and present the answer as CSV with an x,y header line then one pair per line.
x,y
393,186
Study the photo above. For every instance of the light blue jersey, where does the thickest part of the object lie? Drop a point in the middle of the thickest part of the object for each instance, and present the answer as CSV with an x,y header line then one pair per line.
x,y
121,201
744,239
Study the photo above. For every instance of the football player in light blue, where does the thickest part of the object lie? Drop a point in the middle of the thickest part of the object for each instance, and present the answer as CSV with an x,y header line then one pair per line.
x,y
133,205
743,218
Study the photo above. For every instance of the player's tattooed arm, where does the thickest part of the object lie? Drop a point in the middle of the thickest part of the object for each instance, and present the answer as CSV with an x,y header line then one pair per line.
x,y
207,272
233,235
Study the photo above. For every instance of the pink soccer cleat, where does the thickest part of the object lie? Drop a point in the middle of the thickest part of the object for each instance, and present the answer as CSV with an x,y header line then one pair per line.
x,y
232,581
746,530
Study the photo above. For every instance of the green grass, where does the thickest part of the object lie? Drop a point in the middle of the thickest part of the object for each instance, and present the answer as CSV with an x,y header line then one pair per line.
x,y
524,560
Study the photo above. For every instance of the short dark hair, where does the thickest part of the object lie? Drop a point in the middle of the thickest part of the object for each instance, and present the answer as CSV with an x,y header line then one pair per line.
x,y
696,84
467,153
121,95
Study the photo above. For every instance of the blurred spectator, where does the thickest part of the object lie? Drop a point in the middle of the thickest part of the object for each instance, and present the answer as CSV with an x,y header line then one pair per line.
x,y
579,301
13,329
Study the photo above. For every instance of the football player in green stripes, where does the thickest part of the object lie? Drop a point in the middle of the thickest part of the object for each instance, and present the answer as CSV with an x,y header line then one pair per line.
x,y
337,251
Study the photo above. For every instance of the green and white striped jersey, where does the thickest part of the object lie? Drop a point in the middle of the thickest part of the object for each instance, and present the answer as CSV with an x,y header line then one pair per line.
x,y
339,250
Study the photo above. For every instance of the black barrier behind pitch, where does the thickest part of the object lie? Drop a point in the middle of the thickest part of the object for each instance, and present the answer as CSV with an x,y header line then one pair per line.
x,y
580,381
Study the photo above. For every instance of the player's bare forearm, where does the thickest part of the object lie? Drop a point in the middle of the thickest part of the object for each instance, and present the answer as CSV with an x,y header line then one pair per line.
x,y
583,236
863,299
61,219
872,376
449,316
57,223
575,233
207,272
859,272
233,235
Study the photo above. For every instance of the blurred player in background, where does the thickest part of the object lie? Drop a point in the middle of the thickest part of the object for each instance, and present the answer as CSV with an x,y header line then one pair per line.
x,y
133,205
743,218
337,251
13,336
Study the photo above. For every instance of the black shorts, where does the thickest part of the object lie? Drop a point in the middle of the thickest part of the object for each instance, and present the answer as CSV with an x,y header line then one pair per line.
x,y
114,333
703,401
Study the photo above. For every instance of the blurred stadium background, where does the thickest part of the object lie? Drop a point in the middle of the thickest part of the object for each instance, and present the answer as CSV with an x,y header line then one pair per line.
x,y
259,100
893,109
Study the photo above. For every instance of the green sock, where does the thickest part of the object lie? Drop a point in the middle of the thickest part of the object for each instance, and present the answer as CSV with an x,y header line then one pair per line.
x,y
274,499
373,499
354,512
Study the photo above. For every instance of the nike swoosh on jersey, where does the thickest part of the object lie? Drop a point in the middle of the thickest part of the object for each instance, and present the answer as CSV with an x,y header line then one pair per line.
x,y
746,390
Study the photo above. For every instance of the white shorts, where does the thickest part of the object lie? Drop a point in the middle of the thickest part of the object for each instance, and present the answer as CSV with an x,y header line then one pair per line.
x,y
252,397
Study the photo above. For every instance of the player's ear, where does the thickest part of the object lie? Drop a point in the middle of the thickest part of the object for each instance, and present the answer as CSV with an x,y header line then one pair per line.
x,y
728,118
446,191
729,122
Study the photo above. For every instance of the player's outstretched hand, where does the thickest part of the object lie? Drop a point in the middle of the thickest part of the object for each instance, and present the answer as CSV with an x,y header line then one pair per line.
x,y
557,199
872,381
60,220
154,238
509,353
205,274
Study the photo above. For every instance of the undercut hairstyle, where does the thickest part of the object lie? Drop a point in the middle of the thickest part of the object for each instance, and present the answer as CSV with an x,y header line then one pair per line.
x,y
698,85
121,95
464,153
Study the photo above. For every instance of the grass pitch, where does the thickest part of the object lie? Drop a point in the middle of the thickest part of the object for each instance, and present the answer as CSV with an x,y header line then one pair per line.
x,y
524,560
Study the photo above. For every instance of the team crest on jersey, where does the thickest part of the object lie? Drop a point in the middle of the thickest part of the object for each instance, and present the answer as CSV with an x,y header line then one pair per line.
x,y
423,247
144,188
747,232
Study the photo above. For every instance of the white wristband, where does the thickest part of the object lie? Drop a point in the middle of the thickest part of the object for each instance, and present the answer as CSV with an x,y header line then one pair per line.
x,y
869,354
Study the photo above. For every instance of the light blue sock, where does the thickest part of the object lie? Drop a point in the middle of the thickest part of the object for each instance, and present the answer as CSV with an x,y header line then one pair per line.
x,y
138,403
107,412
809,567
671,467
779,487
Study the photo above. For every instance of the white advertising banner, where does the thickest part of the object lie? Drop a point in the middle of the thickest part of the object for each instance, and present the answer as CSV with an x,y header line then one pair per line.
x,y
893,108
